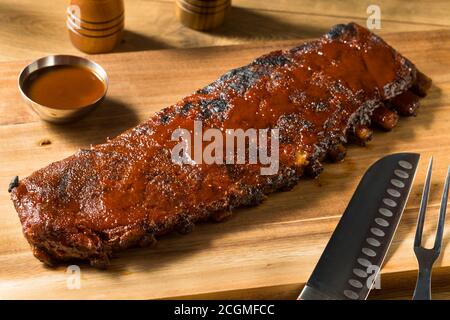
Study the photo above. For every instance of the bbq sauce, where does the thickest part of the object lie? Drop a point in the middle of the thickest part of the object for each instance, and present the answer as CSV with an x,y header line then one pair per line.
x,y
64,87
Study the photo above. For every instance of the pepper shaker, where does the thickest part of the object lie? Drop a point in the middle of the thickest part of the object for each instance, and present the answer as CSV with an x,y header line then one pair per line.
x,y
202,14
95,26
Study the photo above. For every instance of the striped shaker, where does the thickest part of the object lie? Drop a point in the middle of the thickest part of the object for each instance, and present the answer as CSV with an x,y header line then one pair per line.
x,y
202,14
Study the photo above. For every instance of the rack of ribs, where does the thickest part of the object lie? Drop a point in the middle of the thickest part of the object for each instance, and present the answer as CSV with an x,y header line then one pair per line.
x,y
128,192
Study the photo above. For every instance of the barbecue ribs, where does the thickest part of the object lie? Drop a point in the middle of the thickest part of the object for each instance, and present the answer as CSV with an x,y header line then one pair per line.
x,y
127,191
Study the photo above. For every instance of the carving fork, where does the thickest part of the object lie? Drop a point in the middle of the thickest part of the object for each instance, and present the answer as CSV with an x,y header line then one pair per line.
x,y
426,257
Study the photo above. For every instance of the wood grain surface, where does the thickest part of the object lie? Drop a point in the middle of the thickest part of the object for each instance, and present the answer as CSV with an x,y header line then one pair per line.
x,y
31,29
264,252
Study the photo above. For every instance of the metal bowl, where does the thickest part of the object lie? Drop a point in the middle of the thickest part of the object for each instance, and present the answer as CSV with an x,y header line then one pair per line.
x,y
61,115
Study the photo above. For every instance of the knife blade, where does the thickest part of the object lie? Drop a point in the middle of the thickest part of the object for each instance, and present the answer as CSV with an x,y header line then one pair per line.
x,y
353,256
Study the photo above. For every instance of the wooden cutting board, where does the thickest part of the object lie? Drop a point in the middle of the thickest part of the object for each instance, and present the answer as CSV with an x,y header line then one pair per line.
x,y
264,252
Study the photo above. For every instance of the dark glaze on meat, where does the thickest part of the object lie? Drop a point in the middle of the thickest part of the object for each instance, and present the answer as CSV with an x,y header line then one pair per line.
x,y
127,191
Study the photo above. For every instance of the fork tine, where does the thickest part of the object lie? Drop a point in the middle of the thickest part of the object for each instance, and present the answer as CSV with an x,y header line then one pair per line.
x,y
443,209
423,206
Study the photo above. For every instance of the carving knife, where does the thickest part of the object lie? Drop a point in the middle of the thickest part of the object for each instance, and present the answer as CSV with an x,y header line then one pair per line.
x,y
353,256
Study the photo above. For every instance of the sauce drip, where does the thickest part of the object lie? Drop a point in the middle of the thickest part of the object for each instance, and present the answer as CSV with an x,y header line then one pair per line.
x,y
64,87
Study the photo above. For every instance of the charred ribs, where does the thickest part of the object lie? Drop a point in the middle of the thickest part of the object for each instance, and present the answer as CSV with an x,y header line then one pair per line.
x,y
127,191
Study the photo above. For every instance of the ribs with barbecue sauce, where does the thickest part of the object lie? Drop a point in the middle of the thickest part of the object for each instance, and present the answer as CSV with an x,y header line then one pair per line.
x,y
127,191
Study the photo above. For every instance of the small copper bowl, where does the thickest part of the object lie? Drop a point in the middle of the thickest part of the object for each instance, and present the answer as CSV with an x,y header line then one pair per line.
x,y
61,115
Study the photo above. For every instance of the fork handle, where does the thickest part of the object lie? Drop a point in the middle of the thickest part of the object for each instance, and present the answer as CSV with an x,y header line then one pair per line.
x,y
423,284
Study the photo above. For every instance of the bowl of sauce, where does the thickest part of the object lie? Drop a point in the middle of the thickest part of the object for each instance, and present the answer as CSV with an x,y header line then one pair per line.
x,y
62,88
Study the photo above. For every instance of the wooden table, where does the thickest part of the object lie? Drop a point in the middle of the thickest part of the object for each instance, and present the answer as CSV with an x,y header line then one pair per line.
x,y
30,29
